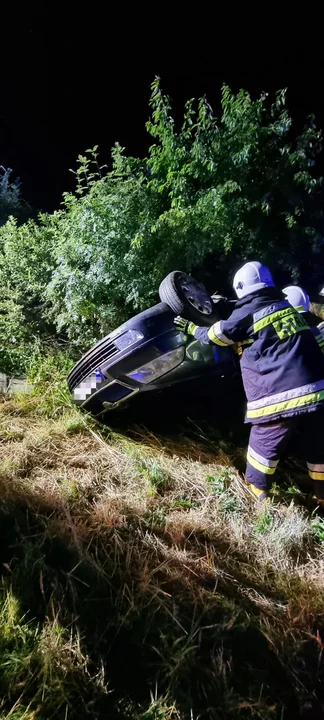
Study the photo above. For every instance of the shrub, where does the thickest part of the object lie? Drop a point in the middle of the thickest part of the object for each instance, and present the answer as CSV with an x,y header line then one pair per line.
x,y
11,202
211,193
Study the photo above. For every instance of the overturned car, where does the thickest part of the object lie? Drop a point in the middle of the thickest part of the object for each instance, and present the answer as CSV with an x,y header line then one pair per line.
x,y
147,354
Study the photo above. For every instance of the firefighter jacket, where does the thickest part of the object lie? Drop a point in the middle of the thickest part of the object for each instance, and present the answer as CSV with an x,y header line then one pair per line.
x,y
282,364
316,326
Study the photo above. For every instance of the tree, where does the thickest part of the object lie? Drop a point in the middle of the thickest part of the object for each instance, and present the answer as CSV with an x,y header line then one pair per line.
x,y
214,192
11,202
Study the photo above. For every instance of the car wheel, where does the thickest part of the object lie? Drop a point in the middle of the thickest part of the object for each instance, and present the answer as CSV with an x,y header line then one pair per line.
x,y
188,297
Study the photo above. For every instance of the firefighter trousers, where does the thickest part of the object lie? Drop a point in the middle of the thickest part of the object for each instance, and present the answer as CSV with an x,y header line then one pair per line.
x,y
268,441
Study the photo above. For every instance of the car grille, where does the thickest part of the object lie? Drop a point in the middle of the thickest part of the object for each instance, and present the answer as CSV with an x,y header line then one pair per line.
x,y
90,362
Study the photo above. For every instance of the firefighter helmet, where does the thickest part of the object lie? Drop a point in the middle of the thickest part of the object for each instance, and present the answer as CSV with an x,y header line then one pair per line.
x,y
251,277
297,297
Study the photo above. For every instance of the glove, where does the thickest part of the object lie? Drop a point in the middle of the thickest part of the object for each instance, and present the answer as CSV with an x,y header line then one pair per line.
x,y
185,326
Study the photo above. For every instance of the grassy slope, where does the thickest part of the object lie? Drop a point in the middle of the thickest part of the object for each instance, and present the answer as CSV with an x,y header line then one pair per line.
x,y
139,580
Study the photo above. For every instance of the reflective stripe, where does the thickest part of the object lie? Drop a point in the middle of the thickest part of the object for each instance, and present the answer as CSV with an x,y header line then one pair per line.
x,y
320,339
266,470
286,395
316,475
263,460
285,322
316,471
214,337
319,467
217,336
270,309
192,329
268,319
300,308
287,405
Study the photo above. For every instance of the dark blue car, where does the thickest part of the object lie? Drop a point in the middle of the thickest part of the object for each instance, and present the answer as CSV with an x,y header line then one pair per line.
x,y
148,354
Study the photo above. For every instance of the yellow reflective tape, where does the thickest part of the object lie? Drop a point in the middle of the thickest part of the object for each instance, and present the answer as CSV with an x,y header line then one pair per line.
x,y
259,466
300,308
290,325
268,319
316,467
192,328
214,338
301,401
316,475
286,322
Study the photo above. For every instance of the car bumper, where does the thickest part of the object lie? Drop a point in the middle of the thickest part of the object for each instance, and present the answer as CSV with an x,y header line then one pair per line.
x,y
109,385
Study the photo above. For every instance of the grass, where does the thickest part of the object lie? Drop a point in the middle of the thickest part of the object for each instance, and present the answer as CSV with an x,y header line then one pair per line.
x,y
139,580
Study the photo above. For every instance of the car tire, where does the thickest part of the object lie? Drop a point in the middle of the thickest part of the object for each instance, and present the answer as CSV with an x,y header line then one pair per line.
x,y
189,298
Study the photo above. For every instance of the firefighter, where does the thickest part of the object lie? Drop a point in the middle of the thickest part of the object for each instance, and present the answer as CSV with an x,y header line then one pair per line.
x,y
317,306
282,372
299,299
321,295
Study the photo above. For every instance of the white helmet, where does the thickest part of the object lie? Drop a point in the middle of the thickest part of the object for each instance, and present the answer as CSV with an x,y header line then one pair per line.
x,y
251,277
297,297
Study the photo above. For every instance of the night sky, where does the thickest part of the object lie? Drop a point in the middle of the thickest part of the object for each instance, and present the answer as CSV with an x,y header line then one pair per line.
x,y
67,85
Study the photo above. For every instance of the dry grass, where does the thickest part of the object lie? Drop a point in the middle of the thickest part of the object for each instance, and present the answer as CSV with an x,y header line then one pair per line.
x,y
139,580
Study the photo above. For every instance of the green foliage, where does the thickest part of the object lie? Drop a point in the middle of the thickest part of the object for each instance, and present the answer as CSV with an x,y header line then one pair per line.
x,y
11,202
45,664
218,483
49,368
26,266
264,522
47,371
318,529
157,479
220,486
159,709
213,191
184,503
17,346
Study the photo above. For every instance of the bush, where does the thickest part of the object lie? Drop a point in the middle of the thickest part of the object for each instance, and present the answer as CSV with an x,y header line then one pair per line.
x,y
212,193
11,202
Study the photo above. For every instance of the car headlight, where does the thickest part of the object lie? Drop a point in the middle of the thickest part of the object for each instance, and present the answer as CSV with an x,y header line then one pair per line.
x,y
158,367
128,338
